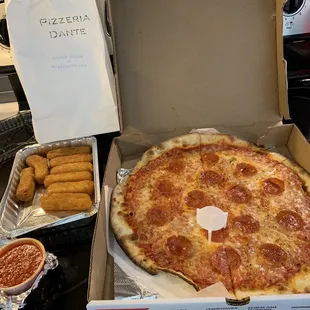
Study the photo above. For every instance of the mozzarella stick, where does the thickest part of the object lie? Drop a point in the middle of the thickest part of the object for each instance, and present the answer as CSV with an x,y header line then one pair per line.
x,y
82,166
26,187
86,187
71,159
39,164
66,151
65,202
68,177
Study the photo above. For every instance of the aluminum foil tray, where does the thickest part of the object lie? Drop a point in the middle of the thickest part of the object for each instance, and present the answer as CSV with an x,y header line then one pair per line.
x,y
18,218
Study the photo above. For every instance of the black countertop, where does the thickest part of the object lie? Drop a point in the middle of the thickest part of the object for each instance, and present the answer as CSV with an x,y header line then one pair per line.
x,y
297,54
66,286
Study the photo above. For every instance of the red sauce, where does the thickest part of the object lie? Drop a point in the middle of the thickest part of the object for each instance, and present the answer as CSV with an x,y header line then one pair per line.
x,y
19,264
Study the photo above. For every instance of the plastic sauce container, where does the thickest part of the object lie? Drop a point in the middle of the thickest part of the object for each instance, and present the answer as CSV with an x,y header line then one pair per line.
x,y
21,261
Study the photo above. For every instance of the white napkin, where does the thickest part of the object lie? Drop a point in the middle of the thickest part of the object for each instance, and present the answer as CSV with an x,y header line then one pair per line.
x,y
60,54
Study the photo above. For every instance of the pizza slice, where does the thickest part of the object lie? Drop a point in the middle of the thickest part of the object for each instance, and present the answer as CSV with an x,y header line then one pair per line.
x,y
269,212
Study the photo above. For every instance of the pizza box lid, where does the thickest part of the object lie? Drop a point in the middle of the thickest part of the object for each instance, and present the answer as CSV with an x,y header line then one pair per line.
x,y
199,63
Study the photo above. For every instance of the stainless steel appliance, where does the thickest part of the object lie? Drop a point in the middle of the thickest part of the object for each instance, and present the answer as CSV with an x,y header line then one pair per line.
x,y
296,17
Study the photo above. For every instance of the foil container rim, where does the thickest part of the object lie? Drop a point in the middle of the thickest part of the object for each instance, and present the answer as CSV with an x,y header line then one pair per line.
x,y
92,138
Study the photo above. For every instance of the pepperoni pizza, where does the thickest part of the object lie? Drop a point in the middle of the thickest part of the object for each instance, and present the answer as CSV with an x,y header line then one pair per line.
x,y
265,248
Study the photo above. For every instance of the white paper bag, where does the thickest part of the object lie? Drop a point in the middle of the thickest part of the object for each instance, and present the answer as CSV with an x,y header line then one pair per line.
x,y
61,57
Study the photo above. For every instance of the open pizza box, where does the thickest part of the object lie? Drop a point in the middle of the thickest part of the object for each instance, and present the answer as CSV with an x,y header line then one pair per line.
x,y
183,65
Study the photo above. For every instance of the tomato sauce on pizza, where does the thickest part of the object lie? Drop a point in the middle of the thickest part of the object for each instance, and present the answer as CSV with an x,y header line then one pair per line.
x,y
265,248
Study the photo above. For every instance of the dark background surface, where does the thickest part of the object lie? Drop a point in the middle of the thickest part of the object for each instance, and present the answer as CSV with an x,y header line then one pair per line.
x,y
297,55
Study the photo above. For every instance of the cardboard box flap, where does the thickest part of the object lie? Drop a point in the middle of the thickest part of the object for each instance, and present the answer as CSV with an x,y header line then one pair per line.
x,y
199,63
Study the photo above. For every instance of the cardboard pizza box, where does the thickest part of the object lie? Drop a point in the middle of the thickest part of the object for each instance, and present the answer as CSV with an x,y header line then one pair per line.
x,y
194,64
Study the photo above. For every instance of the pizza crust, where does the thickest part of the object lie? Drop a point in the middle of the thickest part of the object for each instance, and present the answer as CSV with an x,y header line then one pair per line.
x,y
269,291
182,276
227,139
302,173
118,222
123,232
301,282
185,142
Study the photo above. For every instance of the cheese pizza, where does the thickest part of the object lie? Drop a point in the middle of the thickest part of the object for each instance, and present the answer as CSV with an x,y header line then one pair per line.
x,y
265,247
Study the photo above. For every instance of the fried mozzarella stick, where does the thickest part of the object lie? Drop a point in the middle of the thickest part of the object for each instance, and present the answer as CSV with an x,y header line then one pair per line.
x,y
68,177
39,164
65,202
82,166
26,187
71,159
66,151
86,187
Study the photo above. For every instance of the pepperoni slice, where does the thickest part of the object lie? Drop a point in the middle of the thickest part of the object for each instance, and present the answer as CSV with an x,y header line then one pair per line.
x,y
165,187
217,236
240,194
210,158
246,224
211,177
225,259
290,220
246,170
179,246
273,253
197,199
273,186
157,216
176,166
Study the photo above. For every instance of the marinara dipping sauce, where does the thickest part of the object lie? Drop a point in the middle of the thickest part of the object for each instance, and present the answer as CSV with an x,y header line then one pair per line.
x,y
20,263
